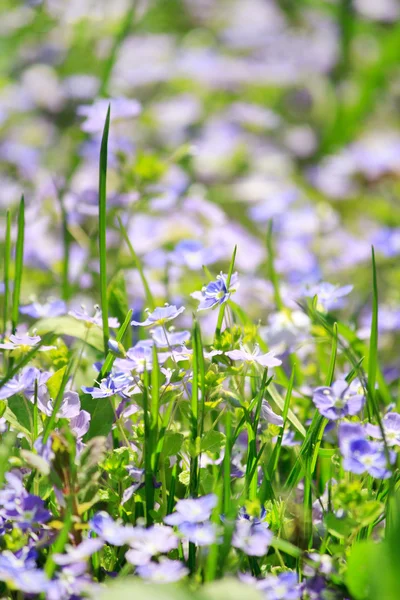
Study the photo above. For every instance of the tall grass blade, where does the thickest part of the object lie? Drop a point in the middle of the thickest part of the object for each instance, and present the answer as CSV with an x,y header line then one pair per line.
x,y
19,264
103,228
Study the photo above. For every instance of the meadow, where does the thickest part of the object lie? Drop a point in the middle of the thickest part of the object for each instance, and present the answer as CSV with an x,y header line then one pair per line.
x,y
199,299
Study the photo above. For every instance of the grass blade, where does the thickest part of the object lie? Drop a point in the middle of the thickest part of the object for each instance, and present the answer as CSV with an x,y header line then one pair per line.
x,y
271,268
102,229
19,264
222,307
7,260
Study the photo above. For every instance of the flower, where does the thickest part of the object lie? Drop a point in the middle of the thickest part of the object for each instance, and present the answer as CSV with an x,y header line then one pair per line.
x,y
79,553
20,575
165,571
137,358
268,414
253,537
79,425
27,511
338,401
192,510
265,360
216,292
96,319
201,534
391,429
23,381
164,339
329,295
360,455
160,315
36,310
146,543
109,530
107,387
282,587
24,342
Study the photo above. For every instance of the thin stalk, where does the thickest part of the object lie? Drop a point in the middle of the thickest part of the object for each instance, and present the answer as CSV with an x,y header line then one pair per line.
x,y
7,258
19,264
102,229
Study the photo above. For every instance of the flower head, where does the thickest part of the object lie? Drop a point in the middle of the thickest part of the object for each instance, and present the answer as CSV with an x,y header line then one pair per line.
x,y
36,310
244,355
338,401
360,455
24,343
160,315
165,571
192,510
216,292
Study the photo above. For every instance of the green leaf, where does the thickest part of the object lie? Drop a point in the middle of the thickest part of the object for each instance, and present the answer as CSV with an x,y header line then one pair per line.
x,y
102,415
54,382
6,265
341,528
172,443
358,574
19,264
118,298
22,409
103,229
229,588
73,328
213,441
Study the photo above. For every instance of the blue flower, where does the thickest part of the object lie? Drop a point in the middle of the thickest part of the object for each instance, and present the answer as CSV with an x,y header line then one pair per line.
x,y
192,510
137,358
109,530
391,429
147,543
20,575
96,319
252,536
282,587
106,388
160,315
201,534
329,295
36,310
95,114
165,571
27,512
265,360
24,343
360,455
23,381
164,339
79,553
338,401
216,292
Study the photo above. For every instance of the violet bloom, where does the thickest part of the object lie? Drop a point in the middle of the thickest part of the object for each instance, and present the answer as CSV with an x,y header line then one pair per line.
x,y
329,295
338,401
192,510
96,319
24,343
72,582
36,310
109,530
165,571
164,339
121,109
79,425
69,408
265,360
137,476
138,358
22,381
106,389
146,543
391,429
201,534
360,455
27,513
17,573
160,315
282,587
79,553
268,414
216,292
252,537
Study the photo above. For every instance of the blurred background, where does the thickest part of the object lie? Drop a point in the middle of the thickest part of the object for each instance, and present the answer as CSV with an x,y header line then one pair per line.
x,y
225,115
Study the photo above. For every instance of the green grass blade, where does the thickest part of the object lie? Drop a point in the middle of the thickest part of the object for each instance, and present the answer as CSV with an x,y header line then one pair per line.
x,y
19,264
57,404
7,260
373,344
102,229
108,363
273,463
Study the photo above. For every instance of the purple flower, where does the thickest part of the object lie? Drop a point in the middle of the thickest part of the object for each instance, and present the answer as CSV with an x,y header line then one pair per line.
x,y
146,543
338,401
109,530
70,405
282,587
360,455
27,512
268,414
72,583
164,339
391,428
265,360
329,295
49,309
288,439
160,315
252,537
96,319
192,510
137,358
216,292
79,553
23,381
106,389
20,575
120,109
201,534
165,571
24,343
79,425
